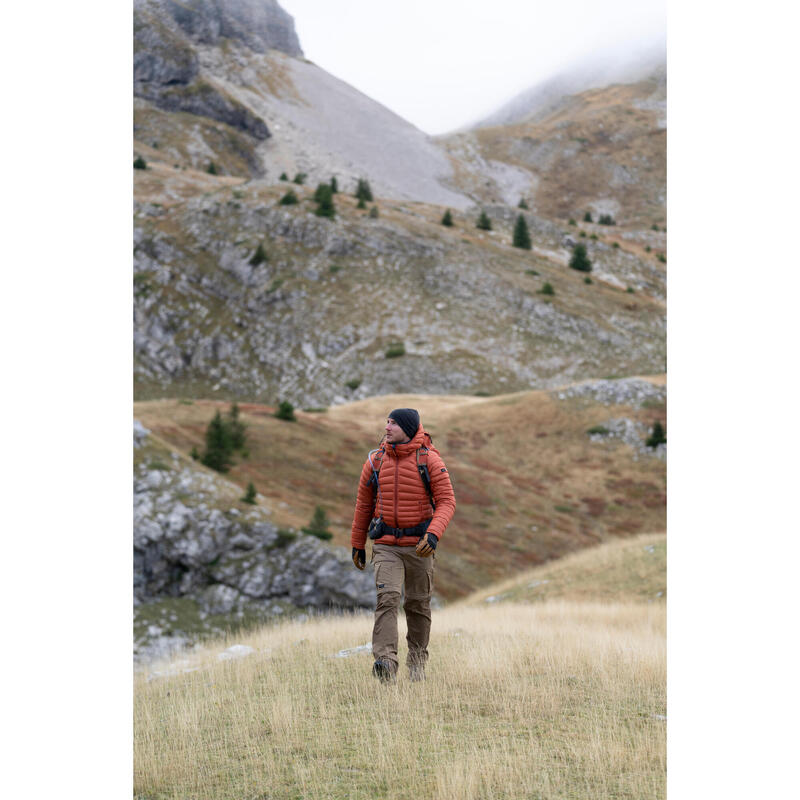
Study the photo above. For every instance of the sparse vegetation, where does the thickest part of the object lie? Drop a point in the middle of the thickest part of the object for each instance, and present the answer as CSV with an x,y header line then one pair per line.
x,y
580,260
598,429
353,384
484,223
447,219
285,411
395,350
531,272
522,237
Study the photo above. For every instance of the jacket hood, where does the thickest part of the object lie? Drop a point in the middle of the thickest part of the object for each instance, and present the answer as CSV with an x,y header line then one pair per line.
x,y
421,437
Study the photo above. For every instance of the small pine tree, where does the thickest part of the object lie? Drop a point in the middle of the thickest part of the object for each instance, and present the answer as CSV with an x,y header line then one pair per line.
x,y
289,199
587,217
363,191
319,524
218,445
259,257
236,428
572,221
580,260
522,204
286,411
374,213
283,177
334,186
140,163
324,197
194,454
654,227
250,494
484,223
658,436
521,236
211,169
300,178
447,219
606,219
547,289
361,203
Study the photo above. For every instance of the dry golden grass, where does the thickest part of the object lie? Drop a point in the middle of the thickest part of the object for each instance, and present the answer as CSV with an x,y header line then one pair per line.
x,y
552,700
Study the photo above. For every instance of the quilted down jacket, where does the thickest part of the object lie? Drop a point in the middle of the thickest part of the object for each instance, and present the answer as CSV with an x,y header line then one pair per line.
x,y
402,500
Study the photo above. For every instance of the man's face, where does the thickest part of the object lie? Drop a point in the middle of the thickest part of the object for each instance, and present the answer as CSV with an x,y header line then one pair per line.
x,y
394,433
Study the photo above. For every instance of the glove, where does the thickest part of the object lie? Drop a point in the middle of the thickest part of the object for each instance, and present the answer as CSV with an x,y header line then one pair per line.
x,y
359,558
427,544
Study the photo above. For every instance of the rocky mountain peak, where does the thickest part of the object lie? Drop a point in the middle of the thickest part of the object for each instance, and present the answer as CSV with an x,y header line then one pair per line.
x,y
259,24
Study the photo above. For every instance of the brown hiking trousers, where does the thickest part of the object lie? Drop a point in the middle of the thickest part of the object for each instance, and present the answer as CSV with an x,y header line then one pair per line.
x,y
397,568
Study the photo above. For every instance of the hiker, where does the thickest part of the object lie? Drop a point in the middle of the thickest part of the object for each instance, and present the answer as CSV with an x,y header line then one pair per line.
x,y
405,501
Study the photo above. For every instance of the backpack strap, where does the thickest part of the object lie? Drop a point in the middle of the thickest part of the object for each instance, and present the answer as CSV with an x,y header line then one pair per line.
x,y
422,467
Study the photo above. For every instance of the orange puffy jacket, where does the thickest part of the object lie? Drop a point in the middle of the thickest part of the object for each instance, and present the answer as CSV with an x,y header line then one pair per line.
x,y
402,500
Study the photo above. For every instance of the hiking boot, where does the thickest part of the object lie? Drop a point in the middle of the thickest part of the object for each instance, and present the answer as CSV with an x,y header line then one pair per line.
x,y
416,672
383,671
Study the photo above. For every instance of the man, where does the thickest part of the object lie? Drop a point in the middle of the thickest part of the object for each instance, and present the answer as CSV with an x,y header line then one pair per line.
x,y
405,518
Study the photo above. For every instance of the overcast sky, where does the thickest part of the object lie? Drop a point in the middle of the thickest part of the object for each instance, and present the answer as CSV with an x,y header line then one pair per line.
x,y
442,64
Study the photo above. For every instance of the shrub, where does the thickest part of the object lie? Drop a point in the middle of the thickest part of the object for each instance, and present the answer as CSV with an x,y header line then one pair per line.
x,y
374,213
654,227
630,290
606,219
236,427
615,245
259,257
283,177
211,169
300,178
547,289
658,436
334,186
289,199
598,429
394,350
285,537
140,163
353,384
194,454
484,223
587,217
286,411
587,279
361,203
582,233
648,249
593,237
334,268
661,257
250,494
319,525
531,272
522,204
447,219
580,260
572,221
521,236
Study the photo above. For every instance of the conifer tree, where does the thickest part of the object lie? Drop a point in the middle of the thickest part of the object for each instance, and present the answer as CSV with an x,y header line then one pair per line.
x,y
587,217
580,260
259,257
140,163
324,197
657,436
334,185
363,192
286,411
250,494
447,219
283,177
484,223
212,169
361,203
289,199
373,212
218,445
522,203
319,524
521,236
236,428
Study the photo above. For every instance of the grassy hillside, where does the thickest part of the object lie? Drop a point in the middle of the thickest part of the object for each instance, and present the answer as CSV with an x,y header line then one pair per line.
x,y
531,484
552,700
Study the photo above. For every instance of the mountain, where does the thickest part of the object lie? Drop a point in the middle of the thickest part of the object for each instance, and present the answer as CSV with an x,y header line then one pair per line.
x,y
591,139
225,81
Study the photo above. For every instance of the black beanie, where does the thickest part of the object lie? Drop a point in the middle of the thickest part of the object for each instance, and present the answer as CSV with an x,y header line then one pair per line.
x,y
407,419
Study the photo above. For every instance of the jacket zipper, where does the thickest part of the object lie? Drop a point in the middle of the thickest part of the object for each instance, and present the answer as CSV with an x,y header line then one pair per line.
x,y
396,486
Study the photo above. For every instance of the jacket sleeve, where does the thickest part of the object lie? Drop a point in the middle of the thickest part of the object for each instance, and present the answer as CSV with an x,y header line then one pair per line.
x,y
365,505
442,493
